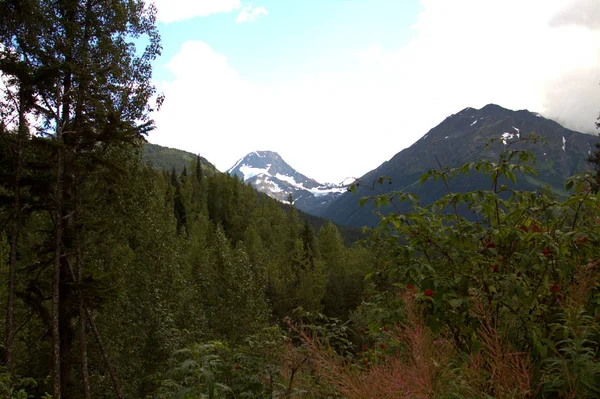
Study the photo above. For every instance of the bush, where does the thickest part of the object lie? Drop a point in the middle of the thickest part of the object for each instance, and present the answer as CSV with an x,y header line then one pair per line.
x,y
507,278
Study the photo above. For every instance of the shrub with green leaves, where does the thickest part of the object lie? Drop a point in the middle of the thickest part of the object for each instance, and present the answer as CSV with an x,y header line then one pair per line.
x,y
216,369
529,258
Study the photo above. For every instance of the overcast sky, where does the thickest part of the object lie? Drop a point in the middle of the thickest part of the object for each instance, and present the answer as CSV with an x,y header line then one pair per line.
x,y
337,87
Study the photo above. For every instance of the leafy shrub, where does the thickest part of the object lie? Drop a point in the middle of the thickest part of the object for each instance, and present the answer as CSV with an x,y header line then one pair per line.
x,y
508,278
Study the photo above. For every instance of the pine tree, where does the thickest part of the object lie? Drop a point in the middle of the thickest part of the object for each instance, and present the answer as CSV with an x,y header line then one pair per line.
x,y
594,159
345,269
309,243
198,169
73,61
178,205
17,102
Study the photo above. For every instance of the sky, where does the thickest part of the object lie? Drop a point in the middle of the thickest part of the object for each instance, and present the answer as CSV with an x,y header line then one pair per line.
x,y
337,87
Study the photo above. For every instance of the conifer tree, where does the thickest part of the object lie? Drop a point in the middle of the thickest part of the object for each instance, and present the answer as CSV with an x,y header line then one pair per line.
x,y
594,159
198,169
178,206
90,89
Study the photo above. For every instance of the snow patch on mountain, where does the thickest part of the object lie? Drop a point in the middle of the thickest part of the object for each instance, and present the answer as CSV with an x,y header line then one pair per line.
x,y
263,180
518,132
270,174
289,179
249,172
236,165
507,136
324,190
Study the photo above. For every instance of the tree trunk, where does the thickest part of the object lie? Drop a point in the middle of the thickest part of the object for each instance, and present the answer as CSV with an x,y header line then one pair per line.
x,y
86,314
56,275
12,265
66,308
78,119
85,379
14,233
111,370
68,301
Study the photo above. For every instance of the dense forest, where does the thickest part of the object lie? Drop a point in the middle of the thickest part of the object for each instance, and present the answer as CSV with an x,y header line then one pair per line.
x,y
124,280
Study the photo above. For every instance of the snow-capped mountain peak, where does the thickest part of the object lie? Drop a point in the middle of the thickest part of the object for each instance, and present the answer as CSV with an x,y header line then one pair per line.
x,y
270,174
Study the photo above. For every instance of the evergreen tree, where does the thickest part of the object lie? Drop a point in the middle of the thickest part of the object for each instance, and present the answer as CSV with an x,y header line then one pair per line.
x,y
178,206
233,291
90,89
309,243
594,159
198,169
345,269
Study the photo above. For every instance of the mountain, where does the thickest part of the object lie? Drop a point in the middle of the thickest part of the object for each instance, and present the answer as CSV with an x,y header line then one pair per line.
x,y
168,158
164,158
461,138
270,174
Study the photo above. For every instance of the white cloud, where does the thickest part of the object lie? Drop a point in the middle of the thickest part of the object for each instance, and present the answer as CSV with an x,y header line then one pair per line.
x,y
179,10
206,108
249,14
333,125
579,12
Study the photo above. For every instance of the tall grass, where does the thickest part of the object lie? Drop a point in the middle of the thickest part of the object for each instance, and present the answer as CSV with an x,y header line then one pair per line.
x,y
428,366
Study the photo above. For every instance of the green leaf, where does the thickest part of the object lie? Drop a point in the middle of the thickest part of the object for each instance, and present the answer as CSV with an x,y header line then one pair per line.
x,y
511,176
455,303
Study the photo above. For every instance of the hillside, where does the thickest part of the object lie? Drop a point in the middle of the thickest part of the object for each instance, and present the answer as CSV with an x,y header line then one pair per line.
x,y
165,158
462,138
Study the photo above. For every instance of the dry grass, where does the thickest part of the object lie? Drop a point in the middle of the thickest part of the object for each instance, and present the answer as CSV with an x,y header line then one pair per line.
x,y
413,374
583,284
426,367
496,369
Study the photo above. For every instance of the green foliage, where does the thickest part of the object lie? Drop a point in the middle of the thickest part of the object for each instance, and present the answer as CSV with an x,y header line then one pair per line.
x,y
574,366
13,387
4,252
143,263
522,254
233,290
218,370
207,264
594,159
346,269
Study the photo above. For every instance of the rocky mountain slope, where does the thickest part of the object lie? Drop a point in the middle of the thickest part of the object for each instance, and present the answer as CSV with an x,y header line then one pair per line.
x,y
461,138
270,174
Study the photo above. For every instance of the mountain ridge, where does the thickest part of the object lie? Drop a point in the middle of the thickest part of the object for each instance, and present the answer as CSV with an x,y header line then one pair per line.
x,y
270,174
461,138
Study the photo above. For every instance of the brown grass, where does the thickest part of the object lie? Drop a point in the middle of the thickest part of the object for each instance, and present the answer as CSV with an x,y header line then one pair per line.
x,y
496,369
584,283
413,374
426,367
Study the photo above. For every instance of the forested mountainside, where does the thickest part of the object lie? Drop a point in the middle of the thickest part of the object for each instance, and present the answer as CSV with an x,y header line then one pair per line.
x,y
192,279
110,267
122,280
164,158
169,159
462,138
169,259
